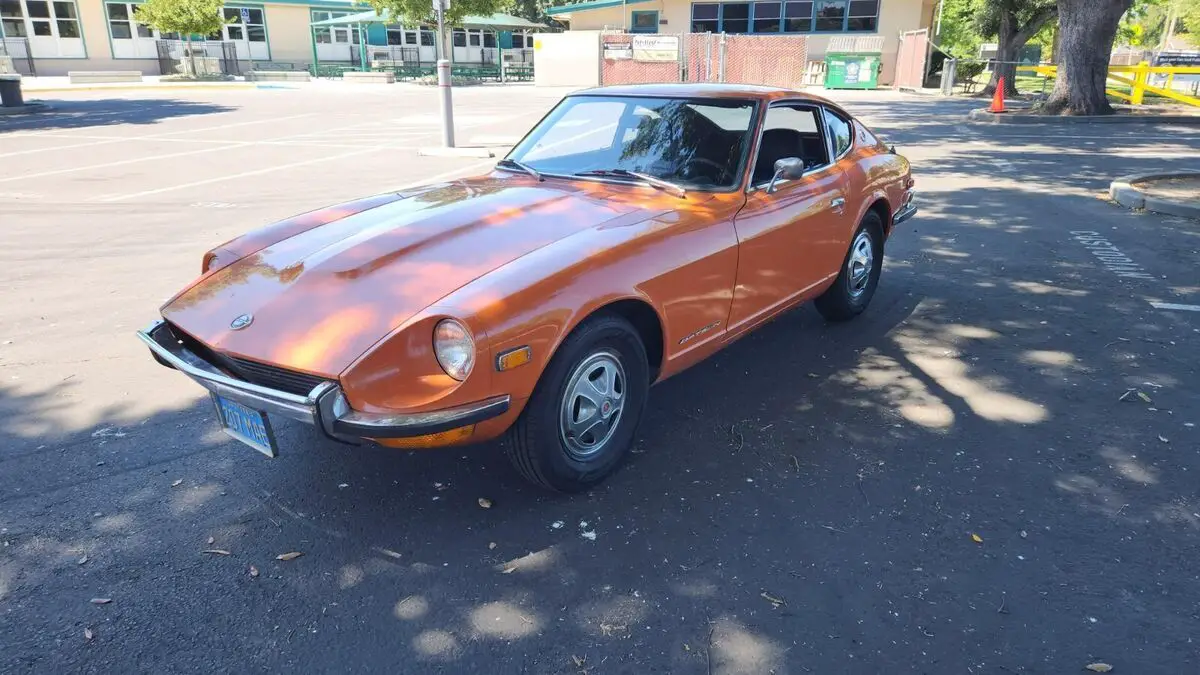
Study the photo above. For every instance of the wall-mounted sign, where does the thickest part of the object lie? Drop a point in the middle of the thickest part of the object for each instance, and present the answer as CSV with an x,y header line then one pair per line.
x,y
656,48
618,50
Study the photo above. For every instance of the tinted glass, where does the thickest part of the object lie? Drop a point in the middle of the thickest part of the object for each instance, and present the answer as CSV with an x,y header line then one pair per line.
x,y
839,132
116,11
694,142
704,11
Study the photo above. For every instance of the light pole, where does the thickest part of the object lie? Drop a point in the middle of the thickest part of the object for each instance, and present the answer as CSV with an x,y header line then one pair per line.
x,y
443,74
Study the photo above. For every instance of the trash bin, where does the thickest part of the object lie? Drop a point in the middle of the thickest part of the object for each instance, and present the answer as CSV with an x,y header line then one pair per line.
x,y
859,70
10,91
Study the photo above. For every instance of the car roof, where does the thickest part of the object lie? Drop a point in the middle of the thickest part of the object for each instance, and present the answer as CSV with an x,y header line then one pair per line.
x,y
704,90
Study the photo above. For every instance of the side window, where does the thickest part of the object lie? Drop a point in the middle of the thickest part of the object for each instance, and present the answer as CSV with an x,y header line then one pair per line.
x,y
789,131
839,133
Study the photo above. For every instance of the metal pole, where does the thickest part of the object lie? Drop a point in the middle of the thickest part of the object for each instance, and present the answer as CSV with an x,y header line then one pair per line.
x,y
444,80
721,60
708,57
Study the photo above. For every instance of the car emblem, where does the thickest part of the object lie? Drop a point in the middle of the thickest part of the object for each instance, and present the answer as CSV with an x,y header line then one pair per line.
x,y
241,322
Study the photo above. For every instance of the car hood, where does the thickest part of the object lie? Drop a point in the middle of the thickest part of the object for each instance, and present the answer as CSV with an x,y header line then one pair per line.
x,y
322,297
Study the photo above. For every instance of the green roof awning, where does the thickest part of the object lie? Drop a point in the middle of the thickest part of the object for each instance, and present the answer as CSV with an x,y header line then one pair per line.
x,y
495,21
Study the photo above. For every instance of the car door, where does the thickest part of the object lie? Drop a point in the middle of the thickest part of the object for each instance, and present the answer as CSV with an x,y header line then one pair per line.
x,y
790,239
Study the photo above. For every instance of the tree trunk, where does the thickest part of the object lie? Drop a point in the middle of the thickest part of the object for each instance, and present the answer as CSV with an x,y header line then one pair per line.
x,y
1087,29
1055,45
1012,37
191,56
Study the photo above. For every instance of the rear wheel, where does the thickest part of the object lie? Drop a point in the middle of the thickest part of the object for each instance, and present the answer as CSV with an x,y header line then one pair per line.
x,y
577,427
855,286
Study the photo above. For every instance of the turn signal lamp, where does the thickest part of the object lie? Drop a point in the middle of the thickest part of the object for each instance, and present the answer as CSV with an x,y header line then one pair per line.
x,y
513,358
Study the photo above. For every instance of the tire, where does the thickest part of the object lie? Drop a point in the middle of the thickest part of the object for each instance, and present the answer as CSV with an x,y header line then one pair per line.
x,y
541,443
851,293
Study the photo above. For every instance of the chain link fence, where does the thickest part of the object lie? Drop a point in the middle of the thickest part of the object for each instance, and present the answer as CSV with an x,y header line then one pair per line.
x,y
630,58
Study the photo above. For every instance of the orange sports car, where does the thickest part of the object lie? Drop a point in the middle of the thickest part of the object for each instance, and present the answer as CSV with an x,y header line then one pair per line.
x,y
633,232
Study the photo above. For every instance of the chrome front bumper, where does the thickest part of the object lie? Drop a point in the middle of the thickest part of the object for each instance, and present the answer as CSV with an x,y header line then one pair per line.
x,y
325,407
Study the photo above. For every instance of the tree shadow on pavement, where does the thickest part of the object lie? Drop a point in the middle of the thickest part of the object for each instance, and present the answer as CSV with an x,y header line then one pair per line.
x,y
83,114
956,479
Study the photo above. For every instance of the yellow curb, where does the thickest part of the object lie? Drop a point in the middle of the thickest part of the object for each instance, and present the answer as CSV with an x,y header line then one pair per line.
x,y
152,87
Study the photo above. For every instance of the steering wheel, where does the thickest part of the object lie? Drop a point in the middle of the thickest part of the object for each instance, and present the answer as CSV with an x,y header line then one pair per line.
x,y
722,170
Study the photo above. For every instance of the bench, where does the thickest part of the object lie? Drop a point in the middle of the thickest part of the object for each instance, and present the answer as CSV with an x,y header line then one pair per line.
x,y
103,76
277,76
377,77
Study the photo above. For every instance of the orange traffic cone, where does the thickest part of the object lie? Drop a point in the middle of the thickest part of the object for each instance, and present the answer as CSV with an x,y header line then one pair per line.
x,y
998,98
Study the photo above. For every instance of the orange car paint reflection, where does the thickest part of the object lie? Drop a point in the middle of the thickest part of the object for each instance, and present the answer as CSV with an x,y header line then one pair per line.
x,y
353,292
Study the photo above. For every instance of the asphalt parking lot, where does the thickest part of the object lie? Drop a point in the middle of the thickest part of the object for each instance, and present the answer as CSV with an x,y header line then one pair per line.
x,y
992,470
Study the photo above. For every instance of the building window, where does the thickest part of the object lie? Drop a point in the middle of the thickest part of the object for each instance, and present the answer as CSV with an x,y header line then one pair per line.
x,y
327,35
766,17
459,37
797,17
51,27
643,22
244,24
735,17
863,16
489,40
705,17
787,16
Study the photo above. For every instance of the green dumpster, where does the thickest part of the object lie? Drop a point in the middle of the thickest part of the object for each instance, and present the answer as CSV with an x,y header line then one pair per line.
x,y
845,70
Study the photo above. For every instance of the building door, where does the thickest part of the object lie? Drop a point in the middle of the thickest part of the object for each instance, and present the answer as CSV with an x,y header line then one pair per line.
x,y
246,27
130,39
52,28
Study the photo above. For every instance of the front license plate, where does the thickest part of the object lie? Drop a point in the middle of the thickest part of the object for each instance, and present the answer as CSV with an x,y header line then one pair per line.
x,y
247,425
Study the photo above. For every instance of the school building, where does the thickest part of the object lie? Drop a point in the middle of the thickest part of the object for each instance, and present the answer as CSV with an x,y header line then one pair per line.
x,y
814,24
53,37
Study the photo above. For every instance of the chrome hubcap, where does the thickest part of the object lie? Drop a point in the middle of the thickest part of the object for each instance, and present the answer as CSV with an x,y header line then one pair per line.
x,y
861,264
592,406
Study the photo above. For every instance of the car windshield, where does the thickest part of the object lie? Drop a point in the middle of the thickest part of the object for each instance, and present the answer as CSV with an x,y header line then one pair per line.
x,y
698,144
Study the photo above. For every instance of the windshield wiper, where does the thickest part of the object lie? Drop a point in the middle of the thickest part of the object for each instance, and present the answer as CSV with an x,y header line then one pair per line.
x,y
653,181
521,166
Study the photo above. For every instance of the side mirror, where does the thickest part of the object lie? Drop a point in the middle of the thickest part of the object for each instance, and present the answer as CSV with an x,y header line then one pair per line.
x,y
788,168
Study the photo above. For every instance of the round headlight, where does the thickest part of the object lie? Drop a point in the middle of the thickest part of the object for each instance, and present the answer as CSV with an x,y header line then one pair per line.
x,y
454,348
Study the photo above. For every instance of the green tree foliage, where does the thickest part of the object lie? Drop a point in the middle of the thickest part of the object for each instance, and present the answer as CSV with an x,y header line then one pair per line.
x,y
414,12
186,17
957,33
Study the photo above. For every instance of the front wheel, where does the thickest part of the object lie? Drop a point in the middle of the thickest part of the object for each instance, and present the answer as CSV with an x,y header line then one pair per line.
x,y
855,286
577,427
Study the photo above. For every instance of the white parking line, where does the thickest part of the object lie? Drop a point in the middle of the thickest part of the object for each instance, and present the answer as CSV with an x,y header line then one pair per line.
x,y
218,179
1173,306
116,139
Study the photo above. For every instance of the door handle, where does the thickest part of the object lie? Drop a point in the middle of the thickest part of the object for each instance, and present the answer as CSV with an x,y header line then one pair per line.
x,y
837,203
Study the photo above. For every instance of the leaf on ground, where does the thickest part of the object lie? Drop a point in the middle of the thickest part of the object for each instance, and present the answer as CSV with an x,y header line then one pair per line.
x,y
1144,397
253,571
216,551
83,560
1163,439
491,545
212,540
177,483
1099,667
101,601
578,661
289,556
772,599
977,539
88,634
485,503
